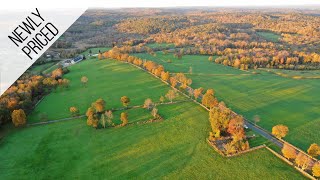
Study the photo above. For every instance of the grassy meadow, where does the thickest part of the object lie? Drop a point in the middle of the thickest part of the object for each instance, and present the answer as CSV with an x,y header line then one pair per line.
x,y
277,100
174,148
38,69
171,149
269,36
107,80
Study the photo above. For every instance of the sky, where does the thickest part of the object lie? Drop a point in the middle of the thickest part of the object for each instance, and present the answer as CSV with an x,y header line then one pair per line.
x,y
25,5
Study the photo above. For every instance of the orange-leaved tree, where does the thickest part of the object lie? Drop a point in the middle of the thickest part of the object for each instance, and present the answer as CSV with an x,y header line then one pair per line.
x,y
19,118
288,151
314,150
303,161
125,101
280,131
124,118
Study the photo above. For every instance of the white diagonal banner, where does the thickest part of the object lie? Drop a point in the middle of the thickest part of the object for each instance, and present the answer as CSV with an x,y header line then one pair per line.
x,y
26,35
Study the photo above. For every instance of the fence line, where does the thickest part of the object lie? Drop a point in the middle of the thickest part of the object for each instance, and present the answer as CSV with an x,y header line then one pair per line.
x,y
291,164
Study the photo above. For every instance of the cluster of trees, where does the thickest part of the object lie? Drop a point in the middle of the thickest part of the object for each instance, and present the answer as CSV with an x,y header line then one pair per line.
x,y
97,116
151,106
21,97
225,124
153,25
301,160
156,69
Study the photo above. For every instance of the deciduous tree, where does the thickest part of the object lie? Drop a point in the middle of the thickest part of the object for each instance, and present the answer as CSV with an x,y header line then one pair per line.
x,y
197,92
173,81
314,150
154,112
124,118
125,101
84,81
280,131
148,104
303,161
109,117
288,151
99,105
316,170
161,99
171,95
74,111
19,118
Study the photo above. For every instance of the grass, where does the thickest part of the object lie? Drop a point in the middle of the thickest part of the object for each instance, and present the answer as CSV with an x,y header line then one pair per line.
x,y
160,45
269,36
172,149
296,74
50,69
199,63
37,69
277,100
95,50
135,115
107,80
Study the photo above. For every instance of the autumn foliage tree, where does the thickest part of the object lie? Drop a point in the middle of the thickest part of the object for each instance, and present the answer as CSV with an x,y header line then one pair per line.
x,y
171,95
209,100
165,76
99,105
303,161
148,104
154,112
197,93
109,115
288,151
316,170
125,101
314,150
84,81
124,118
94,113
280,131
235,127
74,111
57,73
19,118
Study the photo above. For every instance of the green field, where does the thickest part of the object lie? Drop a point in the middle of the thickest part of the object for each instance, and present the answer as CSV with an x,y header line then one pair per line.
x,y
277,100
199,63
37,69
50,69
160,45
105,81
270,36
174,148
95,50
296,74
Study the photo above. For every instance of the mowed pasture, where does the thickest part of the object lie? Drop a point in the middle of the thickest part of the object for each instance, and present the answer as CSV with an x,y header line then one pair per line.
x,y
269,36
38,69
199,64
277,100
108,79
295,74
174,148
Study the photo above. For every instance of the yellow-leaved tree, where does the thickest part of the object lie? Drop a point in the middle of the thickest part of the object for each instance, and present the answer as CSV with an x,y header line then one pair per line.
x,y
19,118
280,131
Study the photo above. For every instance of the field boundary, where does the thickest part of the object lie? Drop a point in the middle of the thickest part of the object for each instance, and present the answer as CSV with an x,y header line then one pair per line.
x,y
291,164
236,154
112,109
270,137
